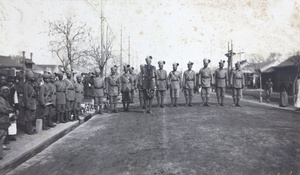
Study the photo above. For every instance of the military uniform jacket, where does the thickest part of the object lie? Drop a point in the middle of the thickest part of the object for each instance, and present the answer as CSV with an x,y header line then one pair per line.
x,y
45,94
175,80
205,77
134,81
149,77
29,97
113,85
126,82
98,86
237,79
79,93
53,92
221,77
60,87
189,79
162,80
70,89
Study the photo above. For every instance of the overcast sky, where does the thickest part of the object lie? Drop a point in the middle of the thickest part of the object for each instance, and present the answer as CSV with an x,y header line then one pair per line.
x,y
174,31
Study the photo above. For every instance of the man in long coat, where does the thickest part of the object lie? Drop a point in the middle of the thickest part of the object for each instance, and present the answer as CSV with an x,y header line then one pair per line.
x,y
70,95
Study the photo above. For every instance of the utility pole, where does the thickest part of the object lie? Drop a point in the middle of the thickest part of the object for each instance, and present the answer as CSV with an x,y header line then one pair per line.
x,y
229,55
106,51
121,53
24,67
129,50
101,61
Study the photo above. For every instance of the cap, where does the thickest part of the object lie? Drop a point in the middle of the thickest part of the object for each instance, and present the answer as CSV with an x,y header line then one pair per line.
x,y
97,70
46,75
190,63
29,74
175,64
161,62
205,60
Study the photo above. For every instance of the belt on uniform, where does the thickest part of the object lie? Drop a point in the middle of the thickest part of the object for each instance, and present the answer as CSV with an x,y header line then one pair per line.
x,y
221,78
60,91
238,78
189,80
113,85
174,80
205,77
98,88
78,92
161,79
70,88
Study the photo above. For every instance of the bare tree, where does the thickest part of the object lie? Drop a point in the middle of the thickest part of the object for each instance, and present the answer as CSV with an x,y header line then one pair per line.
x,y
68,42
273,56
94,53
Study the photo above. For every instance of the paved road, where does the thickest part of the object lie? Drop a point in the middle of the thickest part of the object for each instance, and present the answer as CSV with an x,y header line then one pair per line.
x,y
199,140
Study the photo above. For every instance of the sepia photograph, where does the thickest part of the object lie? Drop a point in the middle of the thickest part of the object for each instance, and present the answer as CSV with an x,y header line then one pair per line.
x,y
150,87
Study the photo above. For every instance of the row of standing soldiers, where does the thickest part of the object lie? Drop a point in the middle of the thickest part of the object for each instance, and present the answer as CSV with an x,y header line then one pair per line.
x,y
59,99
150,82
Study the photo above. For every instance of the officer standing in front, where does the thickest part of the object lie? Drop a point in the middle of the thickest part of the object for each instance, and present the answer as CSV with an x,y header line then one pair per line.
x,y
113,89
29,102
149,83
79,95
46,102
60,98
221,82
189,83
98,84
162,84
237,83
205,78
70,95
175,81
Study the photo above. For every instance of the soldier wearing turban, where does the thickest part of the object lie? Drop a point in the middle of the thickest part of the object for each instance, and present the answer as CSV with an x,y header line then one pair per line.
x,y
98,84
189,84
221,79
113,89
205,78
162,84
237,83
61,88
175,81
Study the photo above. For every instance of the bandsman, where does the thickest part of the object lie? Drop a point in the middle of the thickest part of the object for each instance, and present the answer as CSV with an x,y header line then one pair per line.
x,y
189,84
60,87
205,78
98,84
79,96
175,81
126,84
29,102
113,89
149,83
134,84
70,95
237,83
53,94
46,102
162,84
221,79
140,86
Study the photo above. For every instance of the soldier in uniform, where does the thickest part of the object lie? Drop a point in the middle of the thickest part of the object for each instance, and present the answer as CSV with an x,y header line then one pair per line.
x,y
221,79
126,84
140,87
46,101
30,102
189,84
98,84
134,84
205,78
149,82
70,95
79,95
162,84
113,89
237,83
53,94
175,84
60,87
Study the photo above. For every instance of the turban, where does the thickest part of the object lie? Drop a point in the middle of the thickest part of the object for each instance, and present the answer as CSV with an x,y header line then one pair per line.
x,y
222,62
175,64
190,63
46,75
205,60
29,74
161,62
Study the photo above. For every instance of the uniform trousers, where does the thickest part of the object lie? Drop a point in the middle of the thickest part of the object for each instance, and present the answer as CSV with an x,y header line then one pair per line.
x,y
188,93
237,92
220,91
205,92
